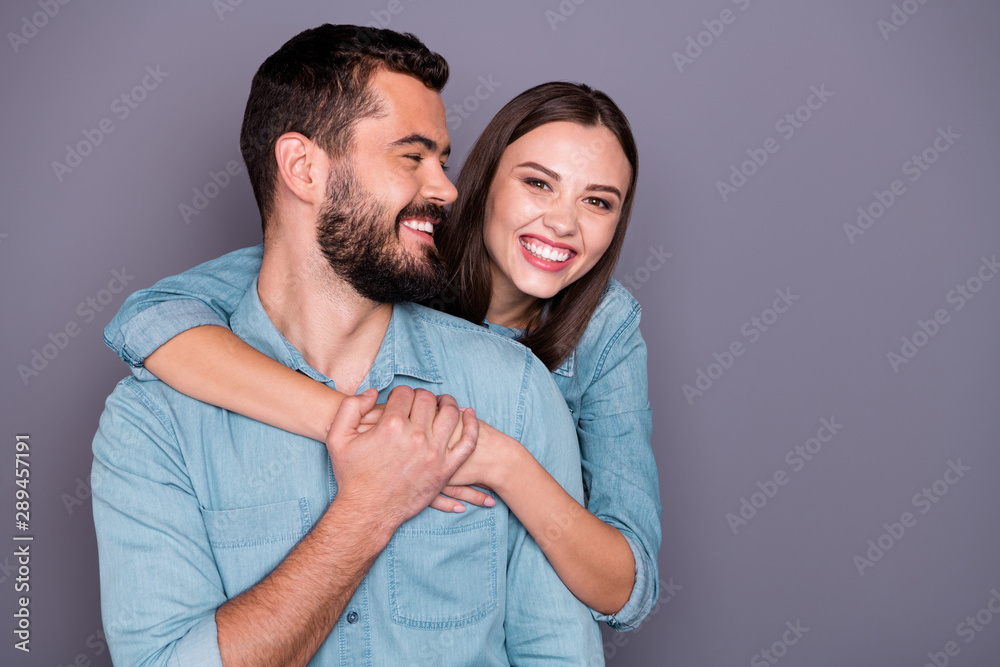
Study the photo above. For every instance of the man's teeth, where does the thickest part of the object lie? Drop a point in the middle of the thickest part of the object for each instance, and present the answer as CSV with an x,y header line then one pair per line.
x,y
419,225
545,252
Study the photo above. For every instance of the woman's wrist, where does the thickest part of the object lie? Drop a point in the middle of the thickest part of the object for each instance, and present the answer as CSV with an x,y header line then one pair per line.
x,y
507,458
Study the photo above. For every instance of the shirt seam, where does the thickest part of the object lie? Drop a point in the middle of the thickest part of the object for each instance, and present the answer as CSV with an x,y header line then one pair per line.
x,y
632,317
132,385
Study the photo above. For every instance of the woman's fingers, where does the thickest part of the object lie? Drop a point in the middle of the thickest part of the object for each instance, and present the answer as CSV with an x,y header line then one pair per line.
x,y
469,495
445,504
447,500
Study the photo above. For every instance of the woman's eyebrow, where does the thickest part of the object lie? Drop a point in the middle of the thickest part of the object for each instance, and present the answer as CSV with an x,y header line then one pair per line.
x,y
605,188
548,172
554,176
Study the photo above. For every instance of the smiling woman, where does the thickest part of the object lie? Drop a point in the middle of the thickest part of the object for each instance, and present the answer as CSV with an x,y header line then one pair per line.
x,y
543,204
546,226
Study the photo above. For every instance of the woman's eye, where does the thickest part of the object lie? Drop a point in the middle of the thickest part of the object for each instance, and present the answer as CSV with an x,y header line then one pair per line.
x,y
415,158
597,201
536,183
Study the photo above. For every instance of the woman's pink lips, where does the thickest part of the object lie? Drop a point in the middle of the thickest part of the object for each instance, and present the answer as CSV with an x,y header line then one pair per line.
x,y
549,243
544,264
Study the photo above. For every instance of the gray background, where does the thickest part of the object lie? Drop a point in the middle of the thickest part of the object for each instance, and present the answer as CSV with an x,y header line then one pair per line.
x,y
727,594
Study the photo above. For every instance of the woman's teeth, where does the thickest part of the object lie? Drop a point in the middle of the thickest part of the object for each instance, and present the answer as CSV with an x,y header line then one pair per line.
x,y
545,252
419,225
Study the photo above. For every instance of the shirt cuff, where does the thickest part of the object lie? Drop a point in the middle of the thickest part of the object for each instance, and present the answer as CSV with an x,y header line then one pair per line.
x,y
148,330
643,593
199,647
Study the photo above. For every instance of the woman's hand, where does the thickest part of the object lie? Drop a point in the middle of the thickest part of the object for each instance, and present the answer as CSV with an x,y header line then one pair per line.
x,y
485,468
451,497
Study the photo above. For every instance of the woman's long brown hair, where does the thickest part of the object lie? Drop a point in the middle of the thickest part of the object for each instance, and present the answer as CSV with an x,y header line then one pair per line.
x,y
561,320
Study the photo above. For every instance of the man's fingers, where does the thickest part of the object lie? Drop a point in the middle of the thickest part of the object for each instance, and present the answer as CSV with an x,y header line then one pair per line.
x,y
445,429
399,402
348,417
467,443
445,400
423,409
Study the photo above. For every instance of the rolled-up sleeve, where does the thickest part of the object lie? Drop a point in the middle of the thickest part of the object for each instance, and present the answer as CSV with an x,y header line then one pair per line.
x,y
619,470
160,586
545,623
204,295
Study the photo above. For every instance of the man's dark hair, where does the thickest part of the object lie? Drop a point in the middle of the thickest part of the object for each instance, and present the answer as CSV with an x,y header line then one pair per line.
x,y
318,84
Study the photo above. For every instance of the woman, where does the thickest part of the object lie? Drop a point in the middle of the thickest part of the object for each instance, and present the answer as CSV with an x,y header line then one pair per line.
x,y
543,205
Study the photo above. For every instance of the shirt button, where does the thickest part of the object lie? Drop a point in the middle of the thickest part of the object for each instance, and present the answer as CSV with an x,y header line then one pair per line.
x,y
352,617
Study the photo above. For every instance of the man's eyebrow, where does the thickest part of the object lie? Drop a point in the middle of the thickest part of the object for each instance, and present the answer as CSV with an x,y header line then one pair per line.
x,y
417,138
554,176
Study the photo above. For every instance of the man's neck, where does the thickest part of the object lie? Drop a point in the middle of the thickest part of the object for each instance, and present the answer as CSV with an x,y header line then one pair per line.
x,y
338,331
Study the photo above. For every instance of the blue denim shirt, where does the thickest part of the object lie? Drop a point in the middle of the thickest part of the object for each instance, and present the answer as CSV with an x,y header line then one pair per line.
x,y
604,383
194,505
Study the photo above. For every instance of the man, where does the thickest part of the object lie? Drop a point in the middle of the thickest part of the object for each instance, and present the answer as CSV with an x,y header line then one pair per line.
x,y
226,541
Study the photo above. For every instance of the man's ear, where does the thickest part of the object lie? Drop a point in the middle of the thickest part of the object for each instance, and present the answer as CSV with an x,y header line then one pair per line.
x,y
302,167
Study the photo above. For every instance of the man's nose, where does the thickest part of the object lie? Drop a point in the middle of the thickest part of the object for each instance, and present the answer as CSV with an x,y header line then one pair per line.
x,y
437,188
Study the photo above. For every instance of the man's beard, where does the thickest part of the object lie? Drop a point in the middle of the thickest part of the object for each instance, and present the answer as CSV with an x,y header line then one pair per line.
x,y
363,246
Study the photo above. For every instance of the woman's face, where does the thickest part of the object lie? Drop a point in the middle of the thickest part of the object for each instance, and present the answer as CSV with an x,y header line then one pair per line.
x,y
551,213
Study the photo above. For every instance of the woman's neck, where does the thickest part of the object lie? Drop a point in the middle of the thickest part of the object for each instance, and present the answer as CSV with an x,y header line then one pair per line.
x,y
516,313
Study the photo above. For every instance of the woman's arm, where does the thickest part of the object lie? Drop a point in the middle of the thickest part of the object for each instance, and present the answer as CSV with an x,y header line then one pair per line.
x,y
214,365
592,558
605,554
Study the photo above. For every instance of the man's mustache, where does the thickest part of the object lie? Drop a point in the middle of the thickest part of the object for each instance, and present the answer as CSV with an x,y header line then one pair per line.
x,y
433,212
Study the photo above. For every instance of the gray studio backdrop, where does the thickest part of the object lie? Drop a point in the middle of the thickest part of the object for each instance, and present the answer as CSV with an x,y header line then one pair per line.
x,y
814,245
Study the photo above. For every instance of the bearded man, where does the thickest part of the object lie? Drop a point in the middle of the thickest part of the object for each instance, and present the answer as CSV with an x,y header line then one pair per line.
x,y
224,541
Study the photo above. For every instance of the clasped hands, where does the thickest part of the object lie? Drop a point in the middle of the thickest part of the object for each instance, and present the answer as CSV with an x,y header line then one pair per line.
x,y
417,450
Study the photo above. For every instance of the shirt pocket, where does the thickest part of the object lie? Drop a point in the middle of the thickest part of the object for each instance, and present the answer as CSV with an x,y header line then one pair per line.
x,y
443,575
248,543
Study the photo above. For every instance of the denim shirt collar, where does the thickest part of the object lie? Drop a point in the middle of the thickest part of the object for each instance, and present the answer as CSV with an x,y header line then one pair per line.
x,y
404,349
565,369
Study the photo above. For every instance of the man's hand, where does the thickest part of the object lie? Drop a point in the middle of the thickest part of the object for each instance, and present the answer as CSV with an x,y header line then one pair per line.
x,y
397,467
